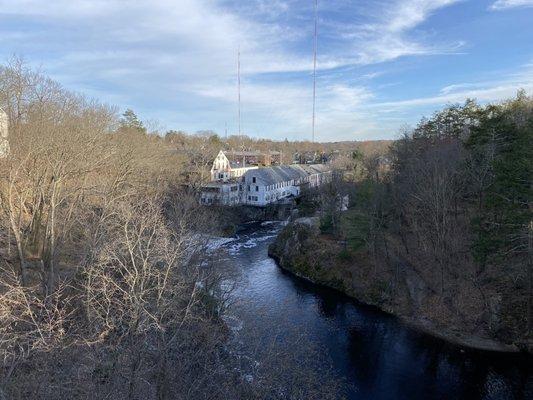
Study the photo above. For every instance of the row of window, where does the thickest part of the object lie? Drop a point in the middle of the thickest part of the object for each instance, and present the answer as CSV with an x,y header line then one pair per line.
x,y
253,198
279,185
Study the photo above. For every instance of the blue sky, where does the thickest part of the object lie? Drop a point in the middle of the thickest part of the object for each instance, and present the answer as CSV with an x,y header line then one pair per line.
x,y
382,64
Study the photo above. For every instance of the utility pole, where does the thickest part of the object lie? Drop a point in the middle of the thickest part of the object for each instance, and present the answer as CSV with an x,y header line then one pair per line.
x,y
314,68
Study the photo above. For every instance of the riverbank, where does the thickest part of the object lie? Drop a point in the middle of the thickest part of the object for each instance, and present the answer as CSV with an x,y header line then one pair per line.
x,y
394,287
373,352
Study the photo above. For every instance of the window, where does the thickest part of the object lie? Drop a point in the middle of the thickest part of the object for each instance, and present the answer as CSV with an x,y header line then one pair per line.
x,y
248,188
257,188
243,179
253,179
249,197
220,176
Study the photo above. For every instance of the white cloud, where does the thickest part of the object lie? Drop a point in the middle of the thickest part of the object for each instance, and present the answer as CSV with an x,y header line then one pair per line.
x,y
506,4
387,35
489,91
176,60
338,108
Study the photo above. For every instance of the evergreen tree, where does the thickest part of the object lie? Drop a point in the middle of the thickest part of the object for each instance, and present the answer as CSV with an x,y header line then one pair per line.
x,y
130,121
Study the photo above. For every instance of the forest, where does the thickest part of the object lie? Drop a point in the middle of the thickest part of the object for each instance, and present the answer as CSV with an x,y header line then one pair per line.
x,y
439,228
108,286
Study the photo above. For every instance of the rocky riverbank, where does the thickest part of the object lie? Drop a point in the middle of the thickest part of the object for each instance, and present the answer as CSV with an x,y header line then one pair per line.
x,y
394,286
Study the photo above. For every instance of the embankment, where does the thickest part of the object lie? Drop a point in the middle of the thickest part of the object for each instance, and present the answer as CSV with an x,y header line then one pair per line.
x,y
394,286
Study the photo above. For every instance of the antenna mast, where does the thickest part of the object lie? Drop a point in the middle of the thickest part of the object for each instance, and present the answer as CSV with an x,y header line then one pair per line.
x,y
239,85
314,70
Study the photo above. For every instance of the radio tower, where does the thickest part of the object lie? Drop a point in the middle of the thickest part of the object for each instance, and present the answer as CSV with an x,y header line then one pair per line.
x,y
314,69
239,85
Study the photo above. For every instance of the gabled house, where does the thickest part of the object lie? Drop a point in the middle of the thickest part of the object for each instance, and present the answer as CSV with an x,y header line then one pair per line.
x,y
231,165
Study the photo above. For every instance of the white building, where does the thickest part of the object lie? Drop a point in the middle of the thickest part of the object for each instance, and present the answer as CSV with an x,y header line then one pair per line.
x,y
226,168
4,131
272,184
222,193
266,185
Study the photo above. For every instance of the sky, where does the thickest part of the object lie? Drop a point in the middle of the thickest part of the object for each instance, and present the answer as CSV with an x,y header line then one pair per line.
x,y
381,64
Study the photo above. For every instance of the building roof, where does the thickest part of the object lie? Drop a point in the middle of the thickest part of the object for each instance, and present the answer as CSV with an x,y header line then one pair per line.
x,y
238,164
249,153
283,173
236,153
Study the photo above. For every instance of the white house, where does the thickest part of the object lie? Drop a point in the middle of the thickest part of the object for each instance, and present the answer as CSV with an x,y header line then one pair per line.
x,y
225,169
223,193
4,131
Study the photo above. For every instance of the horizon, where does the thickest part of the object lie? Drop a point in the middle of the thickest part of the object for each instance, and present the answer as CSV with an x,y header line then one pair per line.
x,y
381,65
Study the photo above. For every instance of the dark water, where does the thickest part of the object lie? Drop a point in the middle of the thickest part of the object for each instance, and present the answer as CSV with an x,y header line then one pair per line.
x,y
378,356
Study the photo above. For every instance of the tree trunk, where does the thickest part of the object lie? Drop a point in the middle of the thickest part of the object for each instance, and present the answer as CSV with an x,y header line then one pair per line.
x,y
20,250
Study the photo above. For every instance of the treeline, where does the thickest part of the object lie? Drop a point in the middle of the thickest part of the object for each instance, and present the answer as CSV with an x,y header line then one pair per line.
x,y
203,146
451,206
107,286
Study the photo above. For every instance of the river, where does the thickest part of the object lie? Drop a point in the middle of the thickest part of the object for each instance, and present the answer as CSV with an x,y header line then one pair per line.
x,y
377,356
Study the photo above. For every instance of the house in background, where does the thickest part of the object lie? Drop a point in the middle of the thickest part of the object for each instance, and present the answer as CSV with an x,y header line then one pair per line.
x,y
4,132
232,164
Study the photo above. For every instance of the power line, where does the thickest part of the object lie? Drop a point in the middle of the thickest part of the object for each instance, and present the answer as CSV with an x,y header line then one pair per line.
x,y
314,69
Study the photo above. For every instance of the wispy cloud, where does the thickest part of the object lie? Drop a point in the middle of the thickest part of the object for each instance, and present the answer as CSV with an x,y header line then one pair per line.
x,y
386,34
176,60
506,4
487,91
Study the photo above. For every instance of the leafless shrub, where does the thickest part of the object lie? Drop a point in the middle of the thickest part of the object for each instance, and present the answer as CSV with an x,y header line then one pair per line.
x,y
29,322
